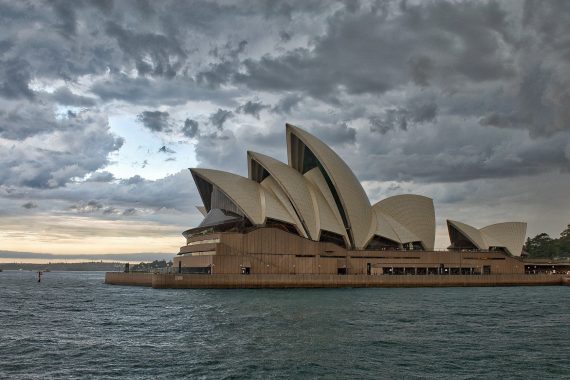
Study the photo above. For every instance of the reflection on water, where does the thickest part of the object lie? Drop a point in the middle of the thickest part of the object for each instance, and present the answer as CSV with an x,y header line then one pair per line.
x,y
72,325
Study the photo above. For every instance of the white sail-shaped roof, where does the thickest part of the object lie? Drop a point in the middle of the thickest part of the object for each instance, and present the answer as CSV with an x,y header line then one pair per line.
x,y
509,235
350,197
243,192
470,233
328,216
392,229
317,192
293,184
269,185
388,228
255,203
415,213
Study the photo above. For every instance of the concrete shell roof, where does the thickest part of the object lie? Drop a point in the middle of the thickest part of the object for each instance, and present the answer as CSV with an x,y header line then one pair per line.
x,y
295,187
328,218
255,202
385,227
350,192
271,186
390,229
471,233
415,213
314,201
508,235
321,193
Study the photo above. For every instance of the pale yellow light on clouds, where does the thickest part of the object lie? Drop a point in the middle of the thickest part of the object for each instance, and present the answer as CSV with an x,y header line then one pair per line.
x,y
83,235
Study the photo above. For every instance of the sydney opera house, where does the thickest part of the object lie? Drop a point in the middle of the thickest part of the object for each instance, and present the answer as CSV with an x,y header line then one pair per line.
x,y
312,216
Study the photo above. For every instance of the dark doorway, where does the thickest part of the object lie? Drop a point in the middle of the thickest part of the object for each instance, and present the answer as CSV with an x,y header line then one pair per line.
x,y
368,269
342,271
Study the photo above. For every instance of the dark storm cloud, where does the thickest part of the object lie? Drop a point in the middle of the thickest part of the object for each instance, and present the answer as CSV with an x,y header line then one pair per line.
x,y
219,117
157,91
156,40
220,73
227,149
541,97
29,205
190,128
461,91
153,54
130,211
548,20
103,176
456,151
156,121
86,207
64,96
462,41
541,103
252,108
111,211
220,150
417,112
334,135
421,69
66,16
217,74
285,36
14,79
22,119
52,45
391,119
229,51
76,147
96,207
422,110
113,198
133,180
287,103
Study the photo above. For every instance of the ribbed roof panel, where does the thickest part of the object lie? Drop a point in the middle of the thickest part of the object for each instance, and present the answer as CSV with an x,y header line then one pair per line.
x,y
294,185
353,198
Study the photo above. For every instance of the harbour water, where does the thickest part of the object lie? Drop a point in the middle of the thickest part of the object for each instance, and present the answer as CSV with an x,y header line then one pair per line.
x,y
72,325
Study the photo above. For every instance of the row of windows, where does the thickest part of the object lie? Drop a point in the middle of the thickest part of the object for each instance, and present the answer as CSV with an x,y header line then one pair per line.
x,y
441,270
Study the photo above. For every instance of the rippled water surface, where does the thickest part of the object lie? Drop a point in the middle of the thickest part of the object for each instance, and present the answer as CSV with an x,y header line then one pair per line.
x,y
72,325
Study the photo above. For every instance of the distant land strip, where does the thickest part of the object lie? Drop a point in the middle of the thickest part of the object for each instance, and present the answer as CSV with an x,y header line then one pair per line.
x,y
131,257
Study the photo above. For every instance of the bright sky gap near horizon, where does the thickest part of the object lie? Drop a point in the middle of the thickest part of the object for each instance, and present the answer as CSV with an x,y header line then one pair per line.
x,y
104,105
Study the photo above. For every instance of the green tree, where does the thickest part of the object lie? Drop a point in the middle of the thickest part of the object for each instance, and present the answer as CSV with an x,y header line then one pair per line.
x,y
565,235
542,245
564,242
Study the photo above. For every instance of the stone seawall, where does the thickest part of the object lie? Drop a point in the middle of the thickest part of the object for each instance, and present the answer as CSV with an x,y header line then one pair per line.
x,y
164,281
132,278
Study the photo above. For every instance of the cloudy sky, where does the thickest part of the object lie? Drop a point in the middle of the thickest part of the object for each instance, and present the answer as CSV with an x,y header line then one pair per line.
x,y
105,104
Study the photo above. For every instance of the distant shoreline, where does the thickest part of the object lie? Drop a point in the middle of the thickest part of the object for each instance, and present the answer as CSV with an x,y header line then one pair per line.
x,y
14,257
91,266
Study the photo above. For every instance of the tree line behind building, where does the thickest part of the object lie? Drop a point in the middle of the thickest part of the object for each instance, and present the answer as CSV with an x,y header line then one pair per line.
x,y
542,245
